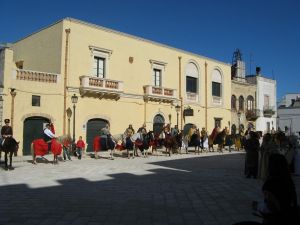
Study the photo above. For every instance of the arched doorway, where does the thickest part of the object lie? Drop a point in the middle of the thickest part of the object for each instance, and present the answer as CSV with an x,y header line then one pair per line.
x,y
158,123
93,128
32,129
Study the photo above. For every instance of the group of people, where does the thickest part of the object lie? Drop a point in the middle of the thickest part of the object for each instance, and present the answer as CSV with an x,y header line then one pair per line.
x,y
271,159
259,148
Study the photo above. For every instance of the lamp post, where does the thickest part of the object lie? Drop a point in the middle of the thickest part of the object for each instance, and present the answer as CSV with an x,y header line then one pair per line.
x,y
69,114
13,94
74,99
177,108
239,118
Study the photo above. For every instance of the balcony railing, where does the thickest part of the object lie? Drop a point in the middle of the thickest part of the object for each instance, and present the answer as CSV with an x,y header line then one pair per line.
x,y
30,75
269,111
252,114
155,93
102,87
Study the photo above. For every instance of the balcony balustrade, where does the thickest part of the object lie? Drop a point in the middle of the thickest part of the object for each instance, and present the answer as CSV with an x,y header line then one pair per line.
x,y
36,76
269,111
159,94
101,87
252,114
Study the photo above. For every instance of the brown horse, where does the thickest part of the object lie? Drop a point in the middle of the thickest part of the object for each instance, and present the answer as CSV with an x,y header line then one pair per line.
x,y
9,146
40,148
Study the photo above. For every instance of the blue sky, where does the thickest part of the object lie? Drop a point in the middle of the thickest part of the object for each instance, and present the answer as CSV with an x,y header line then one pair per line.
x,y
268,30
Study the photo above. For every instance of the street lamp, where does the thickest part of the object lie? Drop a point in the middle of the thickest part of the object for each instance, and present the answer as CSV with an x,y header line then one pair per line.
x,y
239,118
13,94
177,108
74,99
69,114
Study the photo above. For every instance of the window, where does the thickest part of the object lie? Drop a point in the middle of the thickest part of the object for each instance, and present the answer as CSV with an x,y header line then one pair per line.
x,y
36,100
191,84
216,83
157,77
157,68
266,102
218,122
233,102
100,58
216,89
241,103
99,67
250,103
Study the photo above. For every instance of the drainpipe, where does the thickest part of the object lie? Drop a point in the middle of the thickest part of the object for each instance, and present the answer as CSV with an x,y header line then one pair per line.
x,y
206,95
65,79
180,96
13,94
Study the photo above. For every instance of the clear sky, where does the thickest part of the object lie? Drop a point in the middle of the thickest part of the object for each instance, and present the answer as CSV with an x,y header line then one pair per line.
x,y
266,31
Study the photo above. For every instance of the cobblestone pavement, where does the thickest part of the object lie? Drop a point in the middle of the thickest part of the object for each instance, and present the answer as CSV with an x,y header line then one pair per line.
x,y
204,189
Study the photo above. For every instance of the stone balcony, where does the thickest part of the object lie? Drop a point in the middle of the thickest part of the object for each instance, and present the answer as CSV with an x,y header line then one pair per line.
x,y
269,111
100,87
36,76
252,114
159,94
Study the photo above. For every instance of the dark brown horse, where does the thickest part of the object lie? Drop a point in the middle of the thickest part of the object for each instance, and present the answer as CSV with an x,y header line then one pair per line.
x,y
9,146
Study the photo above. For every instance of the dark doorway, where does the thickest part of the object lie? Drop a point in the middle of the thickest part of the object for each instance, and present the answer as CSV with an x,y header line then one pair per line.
x,y
93,129
33,129
158,124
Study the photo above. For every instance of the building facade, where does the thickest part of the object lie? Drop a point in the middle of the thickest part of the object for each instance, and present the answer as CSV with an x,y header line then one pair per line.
x,y
265,101
120,79
288,114
243,99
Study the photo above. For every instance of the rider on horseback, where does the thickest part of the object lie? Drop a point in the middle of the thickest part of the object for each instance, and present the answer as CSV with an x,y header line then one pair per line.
x,y
6,131
48,135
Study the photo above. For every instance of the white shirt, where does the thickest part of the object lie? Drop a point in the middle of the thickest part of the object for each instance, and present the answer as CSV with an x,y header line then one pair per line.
x,y
49,133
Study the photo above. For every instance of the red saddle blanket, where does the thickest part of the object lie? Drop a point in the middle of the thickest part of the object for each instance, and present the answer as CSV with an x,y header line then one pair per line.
x,y
40,147
96,144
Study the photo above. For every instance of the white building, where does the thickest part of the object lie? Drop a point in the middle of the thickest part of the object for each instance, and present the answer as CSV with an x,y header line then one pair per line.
x,y
289,114
265,101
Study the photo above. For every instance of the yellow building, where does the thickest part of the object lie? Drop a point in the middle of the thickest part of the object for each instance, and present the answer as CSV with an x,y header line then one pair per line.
x,y
120,79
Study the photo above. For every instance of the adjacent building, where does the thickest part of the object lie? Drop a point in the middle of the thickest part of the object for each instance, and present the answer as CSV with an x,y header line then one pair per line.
x,y
288,114
119,79
243,99
265,101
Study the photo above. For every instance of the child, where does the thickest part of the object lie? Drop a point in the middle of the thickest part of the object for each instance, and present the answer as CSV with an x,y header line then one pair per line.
x,y
66,147
80,145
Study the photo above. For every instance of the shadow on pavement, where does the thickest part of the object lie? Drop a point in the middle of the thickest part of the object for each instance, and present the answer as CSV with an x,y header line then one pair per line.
x,y
202,190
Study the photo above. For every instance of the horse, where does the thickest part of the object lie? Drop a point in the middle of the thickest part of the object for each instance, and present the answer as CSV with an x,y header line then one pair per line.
x,y
142,142
11,146
40,148
219,140
108,143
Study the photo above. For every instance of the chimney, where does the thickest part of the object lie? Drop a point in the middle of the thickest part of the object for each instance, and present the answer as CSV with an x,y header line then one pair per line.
x,y
258,69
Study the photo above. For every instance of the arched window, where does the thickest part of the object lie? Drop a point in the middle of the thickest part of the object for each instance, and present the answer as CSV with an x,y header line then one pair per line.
x,y
192,79
241,103
233,102
250,103
216,83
